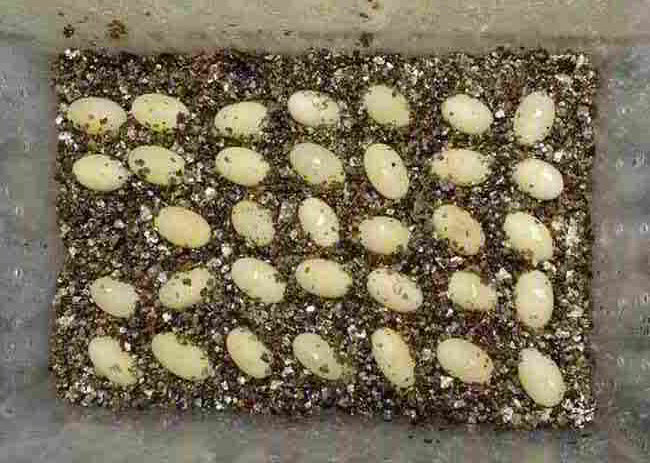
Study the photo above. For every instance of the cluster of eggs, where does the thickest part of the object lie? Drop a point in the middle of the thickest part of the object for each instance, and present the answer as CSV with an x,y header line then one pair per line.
x,y
259,280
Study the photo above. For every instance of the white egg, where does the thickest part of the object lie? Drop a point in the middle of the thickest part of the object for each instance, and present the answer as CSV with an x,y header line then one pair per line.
x,y
249,354
386,171
467,291
114,297
243,119
258,279
534,118
96,115
467,114
465,360
253,222
529,236
541,378
182,227
534,299
157,111
319,221
383,235
317,356
111,362
99,172
180,357
184,289
313,108
324,278
460,228
538,178
394,290
461,167
242,166
392,355
157,165
385,105
316,165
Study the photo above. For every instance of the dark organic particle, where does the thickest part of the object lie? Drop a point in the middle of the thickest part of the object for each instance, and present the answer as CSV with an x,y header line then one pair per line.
x,y
366,39
116,29
68,31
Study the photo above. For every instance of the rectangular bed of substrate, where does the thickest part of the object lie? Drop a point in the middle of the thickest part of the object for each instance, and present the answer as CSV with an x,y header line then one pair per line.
x,y
119,233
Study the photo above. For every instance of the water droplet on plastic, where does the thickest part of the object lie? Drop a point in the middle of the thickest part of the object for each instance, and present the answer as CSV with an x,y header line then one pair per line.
x,y
7,411
10,349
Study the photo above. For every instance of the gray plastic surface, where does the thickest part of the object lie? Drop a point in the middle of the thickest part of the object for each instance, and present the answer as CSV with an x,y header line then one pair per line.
x,y
35,427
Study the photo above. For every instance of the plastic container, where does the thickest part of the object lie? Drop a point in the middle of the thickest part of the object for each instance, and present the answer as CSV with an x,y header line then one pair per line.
x,y
36,427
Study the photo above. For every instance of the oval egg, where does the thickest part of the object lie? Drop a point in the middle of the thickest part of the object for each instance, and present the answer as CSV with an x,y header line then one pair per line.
x,y
319,221
534,118
324,278
158,112
100,173
467,114
182,227
181,358
258,279
313,109
465,234
316,165
249,354
394,290
114,297
253,222
242,166
385,105
461,167
157,165
467,291
534,299
538,178
465,360
386,171
313,352
184,289
111,362
529,236
243,119
392,355
383,235
541,378
96,115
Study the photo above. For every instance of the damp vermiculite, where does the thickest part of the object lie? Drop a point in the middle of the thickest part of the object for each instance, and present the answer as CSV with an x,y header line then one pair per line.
x,y
383,234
